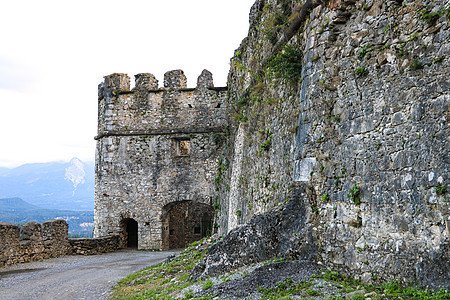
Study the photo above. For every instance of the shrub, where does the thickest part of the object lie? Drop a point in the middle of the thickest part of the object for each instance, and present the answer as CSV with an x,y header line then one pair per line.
x,y
416,65
287,64
361,71
354,195
440,189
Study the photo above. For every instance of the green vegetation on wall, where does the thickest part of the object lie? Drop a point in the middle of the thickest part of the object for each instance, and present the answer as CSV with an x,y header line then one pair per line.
x,y
286,65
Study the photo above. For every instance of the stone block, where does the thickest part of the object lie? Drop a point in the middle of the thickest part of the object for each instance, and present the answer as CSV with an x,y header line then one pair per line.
x,y
205,80
175,80
146,81
303,169
117,81
31,231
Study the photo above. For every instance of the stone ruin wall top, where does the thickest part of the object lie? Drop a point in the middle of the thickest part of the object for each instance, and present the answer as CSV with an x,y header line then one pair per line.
x,y
147,109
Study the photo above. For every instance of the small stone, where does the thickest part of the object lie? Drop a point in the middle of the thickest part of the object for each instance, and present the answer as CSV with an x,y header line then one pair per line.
x,y
386,56
376,9
371,295
352,294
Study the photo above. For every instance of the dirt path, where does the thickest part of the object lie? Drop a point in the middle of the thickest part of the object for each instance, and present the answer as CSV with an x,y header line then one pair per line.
x,y
73,277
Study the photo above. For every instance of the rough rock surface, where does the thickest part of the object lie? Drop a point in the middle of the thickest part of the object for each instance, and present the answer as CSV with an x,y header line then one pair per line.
x,y
266,277
281,232
370,107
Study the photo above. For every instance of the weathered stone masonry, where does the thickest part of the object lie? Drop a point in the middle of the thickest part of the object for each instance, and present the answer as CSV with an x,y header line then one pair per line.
x,y
157,158
33,241
36,241
371,107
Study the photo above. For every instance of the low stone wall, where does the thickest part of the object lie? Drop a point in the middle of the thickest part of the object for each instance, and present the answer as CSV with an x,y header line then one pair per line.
x,y
9,246
35,241
92,246
54,234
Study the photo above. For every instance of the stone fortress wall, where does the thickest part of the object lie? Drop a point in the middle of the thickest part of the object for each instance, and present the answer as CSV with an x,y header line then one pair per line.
x,y
370,107
156,157
347,166
35,242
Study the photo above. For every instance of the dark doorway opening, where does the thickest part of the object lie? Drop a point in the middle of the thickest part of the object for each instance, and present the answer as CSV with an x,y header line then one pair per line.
x,y
206,225
184,222
131,229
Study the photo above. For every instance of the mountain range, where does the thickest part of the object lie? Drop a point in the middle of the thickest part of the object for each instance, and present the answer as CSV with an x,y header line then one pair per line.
x,y
53,185
17,211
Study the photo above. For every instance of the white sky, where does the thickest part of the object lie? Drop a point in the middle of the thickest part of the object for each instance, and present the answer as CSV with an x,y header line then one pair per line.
x,y
53,54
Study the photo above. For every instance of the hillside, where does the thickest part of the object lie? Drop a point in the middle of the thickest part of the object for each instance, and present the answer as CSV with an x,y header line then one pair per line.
x,y
17,211
15,205
54,185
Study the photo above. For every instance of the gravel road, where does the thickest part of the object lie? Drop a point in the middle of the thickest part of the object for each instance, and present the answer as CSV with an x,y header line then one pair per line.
x,y
73,277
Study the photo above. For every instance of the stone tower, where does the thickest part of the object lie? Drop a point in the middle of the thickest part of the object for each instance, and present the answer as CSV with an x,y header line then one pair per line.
x,y
156,158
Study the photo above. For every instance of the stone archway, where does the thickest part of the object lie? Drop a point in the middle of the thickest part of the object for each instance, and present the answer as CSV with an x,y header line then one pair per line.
x,y
184,222
129,228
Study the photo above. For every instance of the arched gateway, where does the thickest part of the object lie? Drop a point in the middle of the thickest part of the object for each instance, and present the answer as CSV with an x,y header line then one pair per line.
x,y
184,222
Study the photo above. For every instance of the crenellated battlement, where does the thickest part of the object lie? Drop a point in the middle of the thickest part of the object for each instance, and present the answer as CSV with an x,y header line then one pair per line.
x,y
173,80
150,109
117,81
145,81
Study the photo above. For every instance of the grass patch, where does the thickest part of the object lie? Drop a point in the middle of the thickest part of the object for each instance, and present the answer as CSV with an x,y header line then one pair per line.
x,y
389,290
355,194
361,71
167,280
207,284
396,291
440,189
164,280
285,289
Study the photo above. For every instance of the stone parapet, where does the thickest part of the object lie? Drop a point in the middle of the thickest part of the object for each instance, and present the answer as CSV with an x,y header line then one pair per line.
x,y
55,239
35,242
93,246
31,242
9,235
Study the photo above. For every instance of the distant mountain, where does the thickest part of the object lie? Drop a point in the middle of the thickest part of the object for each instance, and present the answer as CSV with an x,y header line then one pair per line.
x,y
54,185
15,204
17,211
3,171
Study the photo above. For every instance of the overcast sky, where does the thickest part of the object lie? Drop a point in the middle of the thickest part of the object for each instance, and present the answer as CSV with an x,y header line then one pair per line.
x,y
53,55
